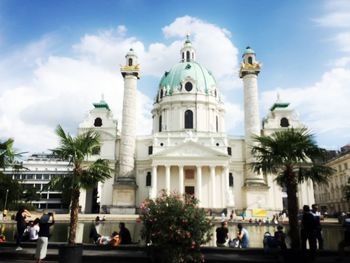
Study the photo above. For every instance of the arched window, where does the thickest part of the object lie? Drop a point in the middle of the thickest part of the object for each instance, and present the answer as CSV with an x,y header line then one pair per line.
x,y
130,62
149,179
250,60
217,124
160,123
188,56
188,119
284,122
98,122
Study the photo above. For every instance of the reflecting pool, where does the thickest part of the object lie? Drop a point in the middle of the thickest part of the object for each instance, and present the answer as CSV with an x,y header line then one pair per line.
x,y
332,234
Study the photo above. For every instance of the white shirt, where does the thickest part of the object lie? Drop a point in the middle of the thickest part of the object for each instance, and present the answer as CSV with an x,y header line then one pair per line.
x,y
34,232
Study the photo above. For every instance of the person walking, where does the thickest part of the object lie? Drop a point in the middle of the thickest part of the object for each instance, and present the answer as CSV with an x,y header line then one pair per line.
x,y
124,234
317,218
21,217
308,231
222,234
243,236
44,234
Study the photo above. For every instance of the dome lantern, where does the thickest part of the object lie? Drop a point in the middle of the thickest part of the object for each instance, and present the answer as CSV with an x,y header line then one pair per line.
x,y
188,53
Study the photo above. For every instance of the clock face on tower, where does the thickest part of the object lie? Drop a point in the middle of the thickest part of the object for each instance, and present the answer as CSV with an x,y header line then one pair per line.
x,y
188,86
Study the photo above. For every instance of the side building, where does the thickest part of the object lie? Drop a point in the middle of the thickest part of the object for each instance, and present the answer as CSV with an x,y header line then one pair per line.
x,y
330,197
38,171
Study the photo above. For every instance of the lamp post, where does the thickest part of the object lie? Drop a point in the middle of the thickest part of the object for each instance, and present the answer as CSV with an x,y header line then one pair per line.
x,y
7,192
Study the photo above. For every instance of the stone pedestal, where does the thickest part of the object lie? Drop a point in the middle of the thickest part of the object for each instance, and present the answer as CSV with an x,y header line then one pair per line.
x,y
256,197
124,196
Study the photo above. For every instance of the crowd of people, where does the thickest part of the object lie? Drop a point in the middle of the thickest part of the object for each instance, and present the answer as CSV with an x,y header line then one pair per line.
x,y
38,230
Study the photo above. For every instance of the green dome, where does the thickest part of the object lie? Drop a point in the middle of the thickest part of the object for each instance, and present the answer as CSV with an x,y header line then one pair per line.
x,y
202,79
248,50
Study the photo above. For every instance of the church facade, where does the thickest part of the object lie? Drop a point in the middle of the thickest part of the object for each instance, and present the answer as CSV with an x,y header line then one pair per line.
x,y
189,150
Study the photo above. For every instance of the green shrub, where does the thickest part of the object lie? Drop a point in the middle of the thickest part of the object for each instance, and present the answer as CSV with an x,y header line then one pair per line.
x,y
175,227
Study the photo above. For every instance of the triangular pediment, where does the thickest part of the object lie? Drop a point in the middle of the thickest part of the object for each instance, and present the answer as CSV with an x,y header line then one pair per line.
x,y
190,149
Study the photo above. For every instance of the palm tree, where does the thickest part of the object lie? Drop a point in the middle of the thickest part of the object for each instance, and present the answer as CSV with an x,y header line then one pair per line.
x,y
7,153
293,156
85,174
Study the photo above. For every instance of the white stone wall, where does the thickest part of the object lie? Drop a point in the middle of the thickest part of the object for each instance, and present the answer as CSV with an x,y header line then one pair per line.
x,y
204,108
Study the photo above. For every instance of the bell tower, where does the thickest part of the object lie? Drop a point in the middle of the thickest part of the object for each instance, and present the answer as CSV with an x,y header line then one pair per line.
x,y
124,189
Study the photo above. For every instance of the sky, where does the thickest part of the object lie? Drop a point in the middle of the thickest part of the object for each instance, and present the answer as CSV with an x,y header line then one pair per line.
x,y
59,57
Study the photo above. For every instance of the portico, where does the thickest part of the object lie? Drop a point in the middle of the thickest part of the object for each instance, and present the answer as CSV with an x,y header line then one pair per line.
x,y
207,180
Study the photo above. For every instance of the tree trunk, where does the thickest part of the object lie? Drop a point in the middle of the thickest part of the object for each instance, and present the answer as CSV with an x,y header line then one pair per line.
x,y
293,210
73,216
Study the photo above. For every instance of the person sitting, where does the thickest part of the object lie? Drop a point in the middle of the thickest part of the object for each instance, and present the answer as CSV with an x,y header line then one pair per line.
x,y
222,235
124,234
94,235
115,239
243,236
280,237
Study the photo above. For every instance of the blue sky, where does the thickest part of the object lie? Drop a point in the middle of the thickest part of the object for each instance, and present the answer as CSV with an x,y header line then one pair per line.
x,y
60,56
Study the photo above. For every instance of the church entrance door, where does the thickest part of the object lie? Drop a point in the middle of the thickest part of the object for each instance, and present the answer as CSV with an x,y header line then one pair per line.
x,y
189,190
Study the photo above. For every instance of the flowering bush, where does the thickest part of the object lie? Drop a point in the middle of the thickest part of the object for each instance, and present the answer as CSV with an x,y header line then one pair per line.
x,y
176,227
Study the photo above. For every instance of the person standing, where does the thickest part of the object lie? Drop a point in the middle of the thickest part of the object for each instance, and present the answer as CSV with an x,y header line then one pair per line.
x,y
124,234
44,234
21,217
317,217
222,234
243,236
346,241
308,231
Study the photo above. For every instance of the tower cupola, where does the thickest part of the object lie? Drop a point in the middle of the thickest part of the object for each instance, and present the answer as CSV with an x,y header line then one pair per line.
x,y
131,58
131,66
188,53
249,64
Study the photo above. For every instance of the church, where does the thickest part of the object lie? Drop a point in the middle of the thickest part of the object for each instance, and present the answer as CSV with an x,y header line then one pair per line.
x,y
189,150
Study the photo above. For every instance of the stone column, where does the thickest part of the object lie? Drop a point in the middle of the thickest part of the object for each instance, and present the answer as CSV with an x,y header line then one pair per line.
x,y
124,189
199,183
154,182
249,71
181,180
167,179
213,186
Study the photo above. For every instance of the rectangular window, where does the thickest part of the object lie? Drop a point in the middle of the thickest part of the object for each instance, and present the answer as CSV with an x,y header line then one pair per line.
x,y
148,179
229,151
39,176
230,180
46,176
345,166
189,174
150,150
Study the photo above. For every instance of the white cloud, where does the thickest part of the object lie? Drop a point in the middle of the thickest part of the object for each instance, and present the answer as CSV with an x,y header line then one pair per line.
x,y
322,106
343,41
43,90
337,19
